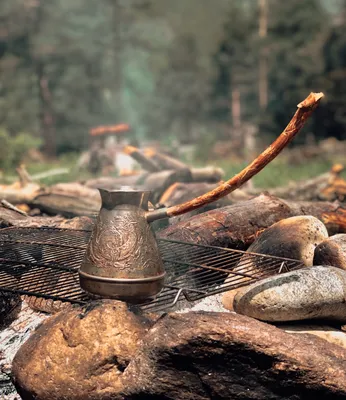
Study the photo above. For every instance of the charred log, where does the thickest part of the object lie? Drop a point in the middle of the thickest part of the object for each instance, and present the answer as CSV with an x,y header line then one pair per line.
x,y
236,226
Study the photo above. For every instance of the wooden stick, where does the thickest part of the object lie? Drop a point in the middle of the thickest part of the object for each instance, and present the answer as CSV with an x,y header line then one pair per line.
x,y
165,161
24,177
305,109
10,206
144,161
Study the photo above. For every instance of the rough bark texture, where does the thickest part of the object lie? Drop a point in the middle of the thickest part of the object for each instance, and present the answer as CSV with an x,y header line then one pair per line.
x,y
18,193
199,356
236,226
10,218
144,161
68,199
181,192
328,186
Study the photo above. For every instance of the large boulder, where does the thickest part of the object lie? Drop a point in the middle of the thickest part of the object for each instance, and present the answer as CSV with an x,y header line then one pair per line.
x,y
79,353
309,293
203,356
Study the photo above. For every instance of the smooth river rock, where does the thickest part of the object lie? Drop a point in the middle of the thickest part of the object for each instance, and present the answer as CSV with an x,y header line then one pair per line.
x,y
332,251
295,238
328,333
309,293
79,353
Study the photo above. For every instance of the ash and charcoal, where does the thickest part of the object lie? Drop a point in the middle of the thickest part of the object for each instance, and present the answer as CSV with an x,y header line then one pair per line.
x,y
12,337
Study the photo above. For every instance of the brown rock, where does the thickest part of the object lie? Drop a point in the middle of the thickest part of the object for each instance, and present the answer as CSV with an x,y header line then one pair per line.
x,y
332,251
79,353
198,356
294,238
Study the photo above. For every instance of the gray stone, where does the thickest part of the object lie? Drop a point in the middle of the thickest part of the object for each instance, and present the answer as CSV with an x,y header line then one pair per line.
x,y
332,251
309,293
295,238
328,333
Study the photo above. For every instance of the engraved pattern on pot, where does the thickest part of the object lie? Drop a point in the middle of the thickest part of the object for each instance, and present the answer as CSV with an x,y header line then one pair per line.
x,y
123,242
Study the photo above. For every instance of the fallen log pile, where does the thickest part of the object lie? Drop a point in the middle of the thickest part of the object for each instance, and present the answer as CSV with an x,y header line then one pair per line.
x,y
328,186
82,198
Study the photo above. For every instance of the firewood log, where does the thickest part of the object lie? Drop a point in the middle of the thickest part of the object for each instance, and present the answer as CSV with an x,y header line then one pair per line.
x,y
10,218
207,174
111,183
181,192
236,226
327,186
164,161
147,163
68,199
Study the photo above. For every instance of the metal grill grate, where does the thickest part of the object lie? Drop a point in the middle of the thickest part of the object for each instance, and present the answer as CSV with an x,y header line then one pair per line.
x,y
44,262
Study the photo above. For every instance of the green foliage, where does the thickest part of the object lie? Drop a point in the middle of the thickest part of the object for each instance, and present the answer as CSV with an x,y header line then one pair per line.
x,y
332,115
278,172
14,148
236,62
165,67
296,34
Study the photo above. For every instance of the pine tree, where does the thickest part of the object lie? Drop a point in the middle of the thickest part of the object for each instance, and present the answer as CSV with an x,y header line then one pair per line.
x,y
235,62
332,116
181,93
296,34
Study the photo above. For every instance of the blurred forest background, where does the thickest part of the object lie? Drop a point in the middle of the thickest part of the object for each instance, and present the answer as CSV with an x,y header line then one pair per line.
x,y
219,75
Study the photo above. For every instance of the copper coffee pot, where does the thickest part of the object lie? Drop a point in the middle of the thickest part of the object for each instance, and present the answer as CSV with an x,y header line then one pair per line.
x,y
122,260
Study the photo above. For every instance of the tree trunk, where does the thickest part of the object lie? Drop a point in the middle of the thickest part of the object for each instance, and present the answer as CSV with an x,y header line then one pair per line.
x,y
117,48
263,62
46,118
46,112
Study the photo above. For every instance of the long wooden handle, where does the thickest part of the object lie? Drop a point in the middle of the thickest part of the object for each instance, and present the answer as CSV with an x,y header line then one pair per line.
x,y
305,109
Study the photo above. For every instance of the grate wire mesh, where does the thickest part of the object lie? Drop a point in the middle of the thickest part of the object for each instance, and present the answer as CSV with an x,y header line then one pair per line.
x,y
44,262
